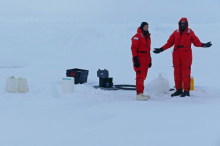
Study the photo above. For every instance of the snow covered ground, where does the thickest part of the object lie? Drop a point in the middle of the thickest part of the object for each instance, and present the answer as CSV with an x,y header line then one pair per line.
x,y
42,50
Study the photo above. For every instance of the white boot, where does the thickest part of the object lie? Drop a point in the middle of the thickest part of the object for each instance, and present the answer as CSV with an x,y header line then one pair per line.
x,y
142,97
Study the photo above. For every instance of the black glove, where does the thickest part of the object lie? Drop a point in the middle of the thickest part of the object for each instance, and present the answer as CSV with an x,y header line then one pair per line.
x,y
136,63
207,45
150,64
158,50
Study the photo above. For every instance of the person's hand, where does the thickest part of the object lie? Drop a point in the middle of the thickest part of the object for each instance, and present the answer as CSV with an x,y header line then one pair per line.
x,y
158,50
136,62
207,45
150,65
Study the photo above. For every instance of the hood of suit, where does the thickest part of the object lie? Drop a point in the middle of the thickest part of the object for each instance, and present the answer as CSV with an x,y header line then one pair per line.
x,y
139,30
185,27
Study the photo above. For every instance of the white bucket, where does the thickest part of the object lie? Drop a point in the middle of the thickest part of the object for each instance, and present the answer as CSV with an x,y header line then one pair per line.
x,y
159,86
11,85
68,85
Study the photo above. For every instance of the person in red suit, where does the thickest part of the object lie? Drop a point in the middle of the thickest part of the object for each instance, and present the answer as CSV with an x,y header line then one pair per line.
x,y
182,39
140,49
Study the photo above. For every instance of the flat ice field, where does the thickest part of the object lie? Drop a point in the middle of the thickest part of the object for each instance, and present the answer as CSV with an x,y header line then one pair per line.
x,y
39,40
41,52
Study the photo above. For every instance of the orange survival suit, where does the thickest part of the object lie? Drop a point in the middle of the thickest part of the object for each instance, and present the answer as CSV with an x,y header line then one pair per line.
x,y
140,47
182,54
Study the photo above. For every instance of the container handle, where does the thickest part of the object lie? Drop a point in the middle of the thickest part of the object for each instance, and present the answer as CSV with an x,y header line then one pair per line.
x,y
165,76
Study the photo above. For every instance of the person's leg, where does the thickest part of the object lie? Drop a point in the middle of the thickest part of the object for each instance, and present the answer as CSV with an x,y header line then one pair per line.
x,y
177,73
177,77
186,72
140,77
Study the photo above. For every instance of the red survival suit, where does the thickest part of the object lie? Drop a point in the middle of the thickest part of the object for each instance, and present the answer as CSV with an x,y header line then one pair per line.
x,y
141,47
182,54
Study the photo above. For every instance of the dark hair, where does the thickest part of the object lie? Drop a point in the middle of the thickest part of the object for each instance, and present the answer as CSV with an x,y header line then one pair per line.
x,y
143,24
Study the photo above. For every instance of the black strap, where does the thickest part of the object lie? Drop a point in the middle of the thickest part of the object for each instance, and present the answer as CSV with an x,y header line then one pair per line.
x,y
141,51
179,46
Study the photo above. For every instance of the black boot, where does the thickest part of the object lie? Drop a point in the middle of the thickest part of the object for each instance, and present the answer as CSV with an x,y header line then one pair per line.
x,y
177,93
185,93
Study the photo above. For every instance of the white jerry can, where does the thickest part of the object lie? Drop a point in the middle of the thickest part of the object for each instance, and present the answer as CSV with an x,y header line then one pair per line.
x,y
68,85
11,85
22,85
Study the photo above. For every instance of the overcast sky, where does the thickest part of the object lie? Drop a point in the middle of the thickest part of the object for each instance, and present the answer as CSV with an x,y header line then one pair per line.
x,y
108,10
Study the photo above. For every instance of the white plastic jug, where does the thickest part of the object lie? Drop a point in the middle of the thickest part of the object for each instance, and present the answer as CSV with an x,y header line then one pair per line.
x,y
11,85
22,85
159,86
68,85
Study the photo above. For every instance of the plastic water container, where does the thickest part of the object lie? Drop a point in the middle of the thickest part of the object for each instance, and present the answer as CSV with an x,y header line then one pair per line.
x,y
68,85
159,86
11,85
191,83
22,85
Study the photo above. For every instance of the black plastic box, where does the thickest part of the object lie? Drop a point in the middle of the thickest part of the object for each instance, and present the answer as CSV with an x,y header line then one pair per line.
x,y
80,75
105,82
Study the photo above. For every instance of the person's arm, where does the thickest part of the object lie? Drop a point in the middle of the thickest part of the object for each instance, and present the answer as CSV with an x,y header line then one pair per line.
x,y
170,43
196,42
135,41
134,49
